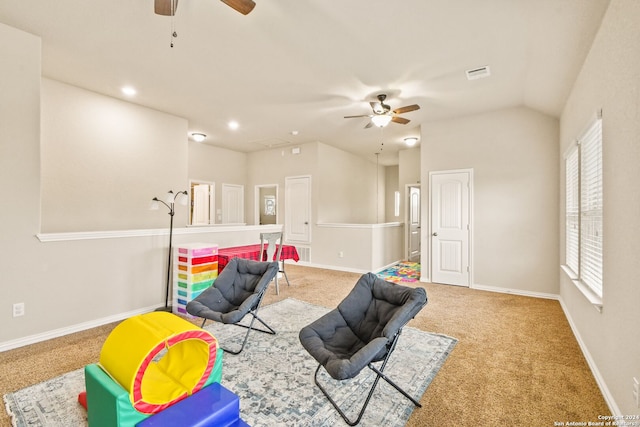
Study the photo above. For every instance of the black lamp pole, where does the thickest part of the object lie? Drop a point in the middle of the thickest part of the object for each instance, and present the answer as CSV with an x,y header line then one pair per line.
x,y
170,204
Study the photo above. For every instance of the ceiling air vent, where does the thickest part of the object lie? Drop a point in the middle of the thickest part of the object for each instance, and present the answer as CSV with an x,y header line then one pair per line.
x,y
478,73
272,143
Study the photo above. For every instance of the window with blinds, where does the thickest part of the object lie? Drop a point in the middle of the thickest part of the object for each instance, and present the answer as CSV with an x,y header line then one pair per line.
x,y
583,172
572,207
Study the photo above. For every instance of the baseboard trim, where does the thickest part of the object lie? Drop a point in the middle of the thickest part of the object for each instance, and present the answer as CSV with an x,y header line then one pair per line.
x,y
333,267
602,385
520,292
386,266
56,333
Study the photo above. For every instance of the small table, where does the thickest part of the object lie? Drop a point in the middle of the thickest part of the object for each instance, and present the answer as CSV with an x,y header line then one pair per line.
x,y
252,252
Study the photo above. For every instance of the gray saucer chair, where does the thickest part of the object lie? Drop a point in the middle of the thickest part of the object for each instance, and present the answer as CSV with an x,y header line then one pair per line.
x,y
362,330
237,291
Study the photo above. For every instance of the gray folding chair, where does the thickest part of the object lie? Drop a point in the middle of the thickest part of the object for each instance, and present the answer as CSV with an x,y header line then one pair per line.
x,y
362,330
237,292
273,242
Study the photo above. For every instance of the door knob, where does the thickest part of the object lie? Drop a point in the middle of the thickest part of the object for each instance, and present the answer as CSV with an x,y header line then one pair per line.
x,y
435,234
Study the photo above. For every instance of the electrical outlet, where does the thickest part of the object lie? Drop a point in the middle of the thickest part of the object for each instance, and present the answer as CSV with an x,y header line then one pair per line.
x,y
636,391
18,309
341,254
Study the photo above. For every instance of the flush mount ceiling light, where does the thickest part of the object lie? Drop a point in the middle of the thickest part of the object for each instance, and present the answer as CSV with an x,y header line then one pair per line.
x,y
381,120
198,137
233,125
411,141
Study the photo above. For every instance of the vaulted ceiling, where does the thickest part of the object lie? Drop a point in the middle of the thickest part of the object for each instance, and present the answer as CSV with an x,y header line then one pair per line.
x,y
302,65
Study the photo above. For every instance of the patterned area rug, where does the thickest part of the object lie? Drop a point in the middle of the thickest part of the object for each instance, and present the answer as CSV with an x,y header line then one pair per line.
x,y
273,377
404,271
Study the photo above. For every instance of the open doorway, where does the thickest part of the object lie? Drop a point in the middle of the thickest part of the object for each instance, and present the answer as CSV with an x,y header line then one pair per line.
x,y
202,197
413,222
266,204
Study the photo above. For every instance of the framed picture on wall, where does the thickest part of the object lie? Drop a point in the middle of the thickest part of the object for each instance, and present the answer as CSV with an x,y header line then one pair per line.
x,y
269,205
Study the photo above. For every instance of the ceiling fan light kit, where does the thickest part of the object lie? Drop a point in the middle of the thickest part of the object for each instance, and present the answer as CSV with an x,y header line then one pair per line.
x,y
381,120
383,115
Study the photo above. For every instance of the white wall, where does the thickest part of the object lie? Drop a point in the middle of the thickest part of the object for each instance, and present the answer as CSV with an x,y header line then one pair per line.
x,y
391,185
351,189
221,166
358,247
514,156
23,273
104,159
409,166
610,80
272,166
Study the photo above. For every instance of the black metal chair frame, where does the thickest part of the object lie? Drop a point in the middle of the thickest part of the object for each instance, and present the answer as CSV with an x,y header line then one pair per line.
x,y
254,313
379,374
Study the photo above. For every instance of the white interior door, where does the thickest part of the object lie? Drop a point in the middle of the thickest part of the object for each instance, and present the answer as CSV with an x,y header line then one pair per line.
x,y
232,204
201,205
297,205
450,227
414,224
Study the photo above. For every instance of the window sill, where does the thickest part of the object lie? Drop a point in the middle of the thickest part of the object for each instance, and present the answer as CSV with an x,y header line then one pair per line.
x,y
594,299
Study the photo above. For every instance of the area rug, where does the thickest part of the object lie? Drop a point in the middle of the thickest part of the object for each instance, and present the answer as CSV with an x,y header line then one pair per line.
x,y
273,377
404,271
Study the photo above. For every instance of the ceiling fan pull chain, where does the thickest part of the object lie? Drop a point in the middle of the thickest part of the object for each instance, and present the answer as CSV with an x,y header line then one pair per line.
x,y
174,34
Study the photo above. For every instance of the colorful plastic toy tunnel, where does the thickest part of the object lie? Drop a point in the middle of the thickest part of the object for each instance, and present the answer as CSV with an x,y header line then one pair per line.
x,y
159,358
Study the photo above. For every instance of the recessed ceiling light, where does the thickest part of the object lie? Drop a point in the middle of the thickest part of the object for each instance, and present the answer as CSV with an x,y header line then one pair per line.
x,y
233,125
198,137
129,91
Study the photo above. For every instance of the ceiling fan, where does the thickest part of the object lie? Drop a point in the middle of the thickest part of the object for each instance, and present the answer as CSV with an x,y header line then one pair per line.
x,y
168,7
382,113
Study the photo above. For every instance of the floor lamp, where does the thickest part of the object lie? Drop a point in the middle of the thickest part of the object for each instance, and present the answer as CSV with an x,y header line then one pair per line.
x,y
169,202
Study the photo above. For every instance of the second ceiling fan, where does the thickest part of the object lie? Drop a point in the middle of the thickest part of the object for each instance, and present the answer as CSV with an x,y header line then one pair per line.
x,y
382,113
168,7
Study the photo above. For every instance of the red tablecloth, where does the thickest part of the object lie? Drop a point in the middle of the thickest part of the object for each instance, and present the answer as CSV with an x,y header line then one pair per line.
x,y
253,252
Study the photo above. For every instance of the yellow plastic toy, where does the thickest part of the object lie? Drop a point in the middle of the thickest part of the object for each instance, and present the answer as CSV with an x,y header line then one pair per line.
x,y
159,358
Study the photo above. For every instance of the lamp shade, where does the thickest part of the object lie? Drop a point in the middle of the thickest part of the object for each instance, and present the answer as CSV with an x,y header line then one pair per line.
x,y
170,197
182,198
381,120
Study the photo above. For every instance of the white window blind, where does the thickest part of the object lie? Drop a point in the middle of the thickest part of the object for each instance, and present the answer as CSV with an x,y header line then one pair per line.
x,y
572,207
590,266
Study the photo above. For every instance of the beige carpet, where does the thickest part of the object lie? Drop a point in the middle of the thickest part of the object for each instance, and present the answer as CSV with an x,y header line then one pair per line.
x,y
516,362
